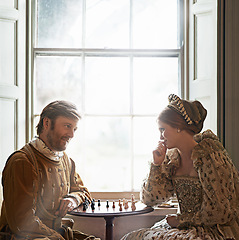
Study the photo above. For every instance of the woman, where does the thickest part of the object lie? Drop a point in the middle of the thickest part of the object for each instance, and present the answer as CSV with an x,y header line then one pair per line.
x,y
198,169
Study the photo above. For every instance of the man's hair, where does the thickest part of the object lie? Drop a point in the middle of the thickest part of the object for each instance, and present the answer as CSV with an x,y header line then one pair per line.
x,y
56,109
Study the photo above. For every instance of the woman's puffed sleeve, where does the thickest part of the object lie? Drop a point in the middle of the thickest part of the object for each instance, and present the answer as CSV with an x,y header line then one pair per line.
x,y
220,183
157,187
77,188
18,181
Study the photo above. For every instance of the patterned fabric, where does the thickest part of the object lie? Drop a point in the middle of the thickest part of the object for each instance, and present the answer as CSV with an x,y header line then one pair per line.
x,y
32,194
189,193
208,204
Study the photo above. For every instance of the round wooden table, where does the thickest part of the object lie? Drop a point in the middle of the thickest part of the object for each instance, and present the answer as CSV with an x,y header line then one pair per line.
x,y
109,213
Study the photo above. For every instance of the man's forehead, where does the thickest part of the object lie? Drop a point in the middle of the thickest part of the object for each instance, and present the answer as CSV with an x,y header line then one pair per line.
x,y
67,119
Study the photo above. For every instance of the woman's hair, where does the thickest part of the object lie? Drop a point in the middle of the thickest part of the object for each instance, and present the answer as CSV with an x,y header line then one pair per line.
x,y
175,120
56,109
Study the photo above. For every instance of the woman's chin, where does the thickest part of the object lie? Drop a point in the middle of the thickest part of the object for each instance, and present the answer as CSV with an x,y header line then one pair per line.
x,y
168,146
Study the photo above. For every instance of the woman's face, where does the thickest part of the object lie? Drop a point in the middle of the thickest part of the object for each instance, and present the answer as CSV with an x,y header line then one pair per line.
x,y
168,135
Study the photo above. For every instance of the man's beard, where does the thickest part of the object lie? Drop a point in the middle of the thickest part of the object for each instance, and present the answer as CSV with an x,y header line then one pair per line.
x,y
54,145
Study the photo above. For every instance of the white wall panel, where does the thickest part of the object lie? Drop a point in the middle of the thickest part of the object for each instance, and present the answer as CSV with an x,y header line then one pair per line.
x,y
7,56
203,57
8,3
12,77
203,26
8,129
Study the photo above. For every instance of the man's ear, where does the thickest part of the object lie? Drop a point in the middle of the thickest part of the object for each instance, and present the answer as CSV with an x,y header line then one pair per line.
x,y
46,123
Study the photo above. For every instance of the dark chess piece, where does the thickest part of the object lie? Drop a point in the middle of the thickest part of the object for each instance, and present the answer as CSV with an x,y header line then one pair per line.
x,y
93,204
84,206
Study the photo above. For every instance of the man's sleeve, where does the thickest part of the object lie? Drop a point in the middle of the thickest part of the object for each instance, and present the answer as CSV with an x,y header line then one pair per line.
x,y
19,183
77,188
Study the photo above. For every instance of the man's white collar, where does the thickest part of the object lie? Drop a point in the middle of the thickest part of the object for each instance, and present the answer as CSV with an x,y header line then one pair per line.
x,y
39,145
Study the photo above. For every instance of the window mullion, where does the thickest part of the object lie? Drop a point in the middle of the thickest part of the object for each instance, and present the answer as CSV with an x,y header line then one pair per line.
x,y
134,114
132,122
131,96
83,23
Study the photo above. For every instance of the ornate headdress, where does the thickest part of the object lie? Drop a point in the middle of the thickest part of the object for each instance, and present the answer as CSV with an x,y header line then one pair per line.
x,y
192,111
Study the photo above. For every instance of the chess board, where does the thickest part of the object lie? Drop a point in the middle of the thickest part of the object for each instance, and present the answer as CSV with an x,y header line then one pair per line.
x,y
106,209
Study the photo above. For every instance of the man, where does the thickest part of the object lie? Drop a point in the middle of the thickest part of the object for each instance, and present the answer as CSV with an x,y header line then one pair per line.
x,y
40,184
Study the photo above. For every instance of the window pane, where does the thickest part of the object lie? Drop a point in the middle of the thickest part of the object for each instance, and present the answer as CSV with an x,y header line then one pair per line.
x,y
119,94
154,80
107,23
107,153
57,78
145,138
107,85
155,24
59,23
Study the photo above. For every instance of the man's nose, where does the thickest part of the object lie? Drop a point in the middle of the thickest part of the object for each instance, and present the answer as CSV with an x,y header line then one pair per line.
x,y
71,133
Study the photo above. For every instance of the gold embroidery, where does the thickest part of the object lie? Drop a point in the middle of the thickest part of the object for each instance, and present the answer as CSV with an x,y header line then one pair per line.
x,y
189,194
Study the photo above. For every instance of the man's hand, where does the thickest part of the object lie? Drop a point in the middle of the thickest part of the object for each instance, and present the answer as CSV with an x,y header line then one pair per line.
x,y
172,221
66,205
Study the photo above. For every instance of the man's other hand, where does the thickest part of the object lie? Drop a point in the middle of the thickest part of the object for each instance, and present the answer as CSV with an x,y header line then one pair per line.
x,y
66,205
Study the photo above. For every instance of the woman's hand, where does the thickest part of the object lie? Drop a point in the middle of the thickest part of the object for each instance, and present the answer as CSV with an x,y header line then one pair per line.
x,y
159,153
172,220
66,205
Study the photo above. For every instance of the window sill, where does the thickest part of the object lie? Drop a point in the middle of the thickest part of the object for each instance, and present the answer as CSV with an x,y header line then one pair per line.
x,y
115,195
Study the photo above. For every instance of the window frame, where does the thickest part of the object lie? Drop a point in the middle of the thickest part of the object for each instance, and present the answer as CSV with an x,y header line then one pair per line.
x,y
84,52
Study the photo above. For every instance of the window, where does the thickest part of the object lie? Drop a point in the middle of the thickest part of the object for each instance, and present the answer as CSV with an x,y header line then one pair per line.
x,y
117,61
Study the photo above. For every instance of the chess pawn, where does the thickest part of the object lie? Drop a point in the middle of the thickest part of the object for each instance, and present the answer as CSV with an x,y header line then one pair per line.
x,y
113,206
124,201
120,207
93,205
107,204
84,206
119,202
133,207
98,202
126,205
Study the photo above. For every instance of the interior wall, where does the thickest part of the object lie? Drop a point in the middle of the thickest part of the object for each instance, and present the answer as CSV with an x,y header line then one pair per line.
x,y
231,79
202,82
12,77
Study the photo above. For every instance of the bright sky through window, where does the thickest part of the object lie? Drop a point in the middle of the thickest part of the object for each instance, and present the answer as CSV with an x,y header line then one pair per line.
x,y
117,61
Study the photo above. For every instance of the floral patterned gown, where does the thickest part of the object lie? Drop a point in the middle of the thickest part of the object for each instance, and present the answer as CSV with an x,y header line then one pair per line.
x,y
208,204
